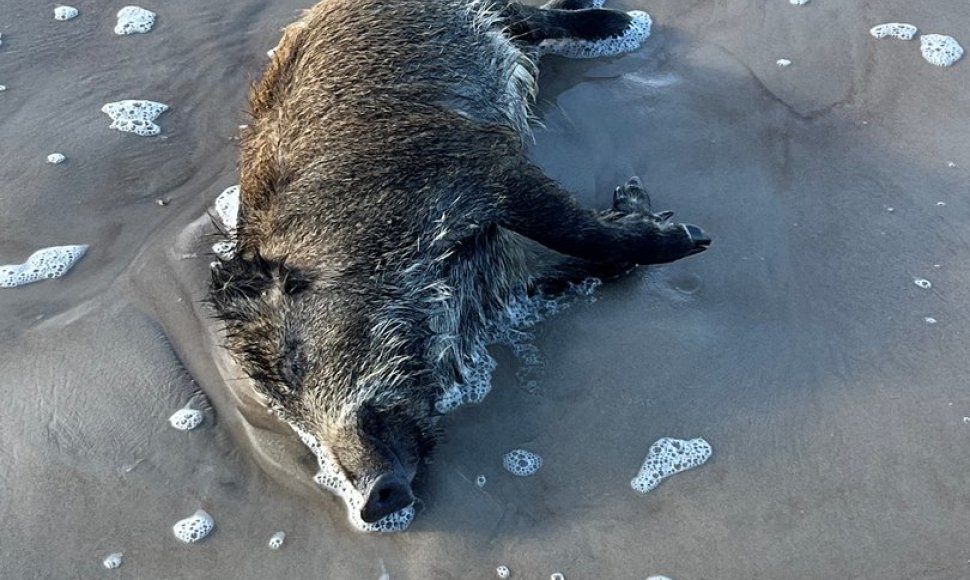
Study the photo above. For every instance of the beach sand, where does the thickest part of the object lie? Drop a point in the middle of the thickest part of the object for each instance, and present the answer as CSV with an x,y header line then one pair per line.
x,y
798,345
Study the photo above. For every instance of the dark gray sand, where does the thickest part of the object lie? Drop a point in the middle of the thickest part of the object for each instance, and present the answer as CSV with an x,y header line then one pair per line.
x,y
798,345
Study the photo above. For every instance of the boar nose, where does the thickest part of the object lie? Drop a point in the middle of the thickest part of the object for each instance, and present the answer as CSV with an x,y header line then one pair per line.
x,y
389,494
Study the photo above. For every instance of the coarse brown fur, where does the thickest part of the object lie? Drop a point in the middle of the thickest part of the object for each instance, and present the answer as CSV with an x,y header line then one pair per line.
x,y
388,215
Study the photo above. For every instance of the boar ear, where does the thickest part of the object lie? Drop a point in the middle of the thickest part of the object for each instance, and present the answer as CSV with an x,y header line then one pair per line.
x,y
238,282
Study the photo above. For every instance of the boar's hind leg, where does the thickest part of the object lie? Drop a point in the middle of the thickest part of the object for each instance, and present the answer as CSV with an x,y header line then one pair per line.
x,y
533,25
552,273
535,206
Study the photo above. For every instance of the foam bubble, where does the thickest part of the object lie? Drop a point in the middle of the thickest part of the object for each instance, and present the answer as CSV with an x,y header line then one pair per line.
x,y
522,311
65,13
276,540
56,158
480,481
923,283
557,576
135,116
669,456
134,19
3,88
521,462
940,49
783,62
929,320
227,207
112,561
899,30
225,249
657,577
503,572
186,418
636,33
798,2
194,528
333,479
43,264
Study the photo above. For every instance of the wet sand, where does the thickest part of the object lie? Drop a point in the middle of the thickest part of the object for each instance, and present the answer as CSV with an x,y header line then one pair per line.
x,y
797,346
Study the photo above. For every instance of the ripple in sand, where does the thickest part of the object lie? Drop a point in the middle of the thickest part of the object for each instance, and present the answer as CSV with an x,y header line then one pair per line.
x,y
135,116
43,264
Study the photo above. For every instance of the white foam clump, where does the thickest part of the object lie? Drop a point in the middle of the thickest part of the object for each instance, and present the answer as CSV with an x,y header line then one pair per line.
x,y
923,283
43,264
332,478
276,540
636,33
899,30
940,49
227,208
112,561
669,456
65,13
480,481
657,577
522,311
194,528
503,572
135,116
783,62
476,382
798,2
186,418
56,158
521,462
134,20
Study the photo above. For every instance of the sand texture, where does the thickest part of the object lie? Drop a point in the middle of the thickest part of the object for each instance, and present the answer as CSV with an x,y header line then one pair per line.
x,y
798,345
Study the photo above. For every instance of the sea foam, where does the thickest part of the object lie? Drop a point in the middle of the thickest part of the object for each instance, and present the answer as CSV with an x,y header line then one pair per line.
x,y
899,30
940,49
636,33
135,116
43,264
134,20
669,456
521,462
194,528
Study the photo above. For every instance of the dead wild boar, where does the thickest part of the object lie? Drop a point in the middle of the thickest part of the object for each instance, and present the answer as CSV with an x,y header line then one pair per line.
x,y
388,214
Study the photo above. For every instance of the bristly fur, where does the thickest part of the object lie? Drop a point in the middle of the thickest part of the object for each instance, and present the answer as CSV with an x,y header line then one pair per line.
x,y
386,201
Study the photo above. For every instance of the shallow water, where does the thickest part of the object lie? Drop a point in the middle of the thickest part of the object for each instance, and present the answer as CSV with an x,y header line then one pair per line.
x,y
797,346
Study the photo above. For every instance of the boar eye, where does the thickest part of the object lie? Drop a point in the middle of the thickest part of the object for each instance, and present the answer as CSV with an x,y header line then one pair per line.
x,y
293,367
